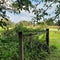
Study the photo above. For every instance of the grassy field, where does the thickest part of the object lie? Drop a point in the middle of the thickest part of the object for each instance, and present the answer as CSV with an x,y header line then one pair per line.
x,y
55,45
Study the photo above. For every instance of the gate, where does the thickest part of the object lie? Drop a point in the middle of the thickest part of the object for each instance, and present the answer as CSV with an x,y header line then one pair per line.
x,y
30,46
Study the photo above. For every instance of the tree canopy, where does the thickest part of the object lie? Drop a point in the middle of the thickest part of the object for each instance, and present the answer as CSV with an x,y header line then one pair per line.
x,y
12,6
18,5
41,13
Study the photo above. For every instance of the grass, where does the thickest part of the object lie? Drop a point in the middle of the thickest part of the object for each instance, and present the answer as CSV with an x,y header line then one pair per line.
x,y
55,45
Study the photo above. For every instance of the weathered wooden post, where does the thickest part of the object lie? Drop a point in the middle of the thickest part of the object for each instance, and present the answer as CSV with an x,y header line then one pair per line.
x,y
21,53
47,40
30,45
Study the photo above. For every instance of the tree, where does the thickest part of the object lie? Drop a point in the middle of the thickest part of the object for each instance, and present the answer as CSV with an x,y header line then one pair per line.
x,y
24,23
41,12
21,4
58,24
18,5
13,6
50,21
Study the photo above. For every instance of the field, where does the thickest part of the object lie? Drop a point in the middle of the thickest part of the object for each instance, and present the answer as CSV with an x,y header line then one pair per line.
x,y
54,45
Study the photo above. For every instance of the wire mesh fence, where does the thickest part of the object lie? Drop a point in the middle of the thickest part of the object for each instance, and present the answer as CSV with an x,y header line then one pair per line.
x,y
34,45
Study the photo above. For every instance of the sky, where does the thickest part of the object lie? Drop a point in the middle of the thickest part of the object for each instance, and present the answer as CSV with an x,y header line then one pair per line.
x,y
24,15
19,17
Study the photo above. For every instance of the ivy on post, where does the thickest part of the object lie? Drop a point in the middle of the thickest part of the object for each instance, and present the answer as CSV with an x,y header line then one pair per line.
x,y
21,53
47,40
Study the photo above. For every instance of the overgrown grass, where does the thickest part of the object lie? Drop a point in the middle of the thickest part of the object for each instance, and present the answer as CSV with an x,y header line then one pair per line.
x,y
55,45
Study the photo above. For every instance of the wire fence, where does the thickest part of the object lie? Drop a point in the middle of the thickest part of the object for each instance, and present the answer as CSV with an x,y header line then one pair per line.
x,y
33,44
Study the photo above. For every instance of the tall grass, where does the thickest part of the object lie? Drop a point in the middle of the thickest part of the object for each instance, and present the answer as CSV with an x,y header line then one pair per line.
x,y
55,45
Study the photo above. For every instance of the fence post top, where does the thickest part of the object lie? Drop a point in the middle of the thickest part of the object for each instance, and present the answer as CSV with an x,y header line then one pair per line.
x,y
47,29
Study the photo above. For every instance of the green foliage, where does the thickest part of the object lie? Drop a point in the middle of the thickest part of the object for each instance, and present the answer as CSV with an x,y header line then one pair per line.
x,y
2,23
19,5
50,21
16,6
35,48
9,45
24,23
58,23
55,45
6,24
42,11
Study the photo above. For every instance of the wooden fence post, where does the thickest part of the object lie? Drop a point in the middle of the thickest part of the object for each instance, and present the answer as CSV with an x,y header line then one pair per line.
x,y
47,40
21,54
